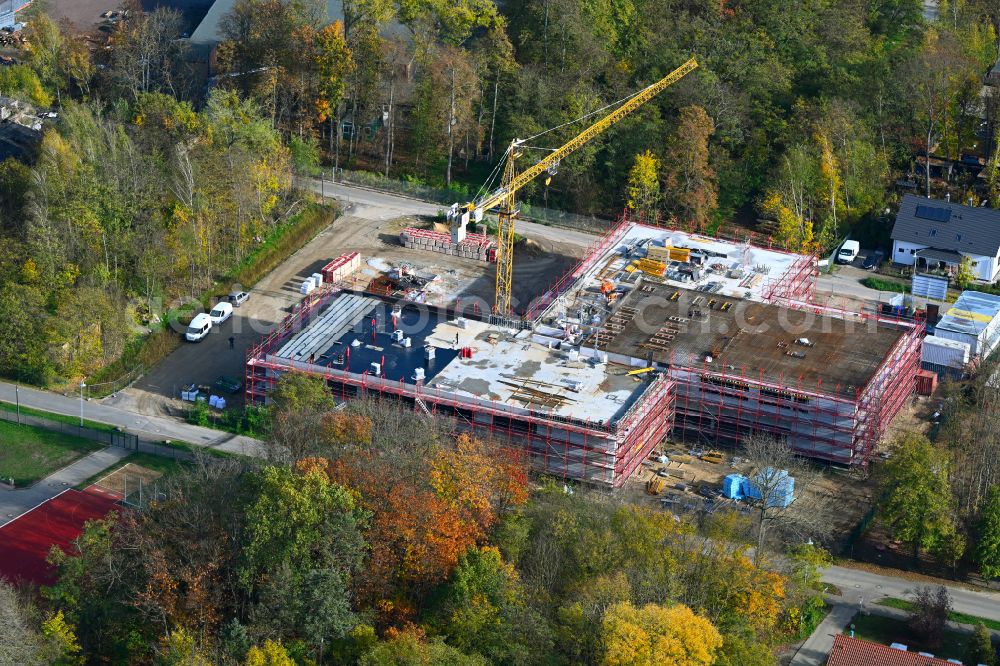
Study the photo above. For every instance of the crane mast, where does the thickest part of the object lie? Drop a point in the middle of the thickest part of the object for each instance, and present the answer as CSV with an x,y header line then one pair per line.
x,y
504,198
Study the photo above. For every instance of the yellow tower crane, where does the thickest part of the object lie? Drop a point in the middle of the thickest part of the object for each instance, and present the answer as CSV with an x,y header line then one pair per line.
x,y
505,195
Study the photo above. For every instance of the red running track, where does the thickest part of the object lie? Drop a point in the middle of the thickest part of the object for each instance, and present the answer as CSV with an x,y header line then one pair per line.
x,y
25,542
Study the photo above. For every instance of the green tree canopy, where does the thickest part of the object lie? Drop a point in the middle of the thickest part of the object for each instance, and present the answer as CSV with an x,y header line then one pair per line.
x,y
918,504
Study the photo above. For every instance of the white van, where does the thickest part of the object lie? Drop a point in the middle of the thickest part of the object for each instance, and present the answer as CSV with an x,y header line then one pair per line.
x,y
199,327
221,312
848,252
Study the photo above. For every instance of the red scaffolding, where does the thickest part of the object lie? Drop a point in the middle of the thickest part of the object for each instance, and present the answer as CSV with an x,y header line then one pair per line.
x,y
689,397
818,421
569,447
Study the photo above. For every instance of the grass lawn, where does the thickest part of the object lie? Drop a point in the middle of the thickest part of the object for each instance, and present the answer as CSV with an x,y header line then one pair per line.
x,y
882,284
887,630
28,454
60,418
961,618
165,466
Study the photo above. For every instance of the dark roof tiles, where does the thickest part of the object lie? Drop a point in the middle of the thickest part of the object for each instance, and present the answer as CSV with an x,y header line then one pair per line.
x,y
944,225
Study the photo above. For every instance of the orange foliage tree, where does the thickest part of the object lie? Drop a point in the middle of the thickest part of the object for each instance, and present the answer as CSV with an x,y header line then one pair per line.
x,y
421,523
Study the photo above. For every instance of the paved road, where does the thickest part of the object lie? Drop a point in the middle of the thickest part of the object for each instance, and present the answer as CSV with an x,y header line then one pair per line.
x,y
13,503
860,590
845,284
863,587
816,648
150,427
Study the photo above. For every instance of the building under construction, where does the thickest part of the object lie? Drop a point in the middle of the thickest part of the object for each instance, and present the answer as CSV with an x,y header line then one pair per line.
x,y
655,333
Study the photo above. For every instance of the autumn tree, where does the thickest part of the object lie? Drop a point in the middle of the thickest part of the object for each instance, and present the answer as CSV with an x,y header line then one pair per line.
x,y
965,274
271,653
929,614
411,648
773,463
484,607
918,503
792,232
691,188
301,519
831,191
657,635
480,481
644,186
19,643
792,199
583,610
179,646
148,53
299,404
90,577
737,650
932,77
334,62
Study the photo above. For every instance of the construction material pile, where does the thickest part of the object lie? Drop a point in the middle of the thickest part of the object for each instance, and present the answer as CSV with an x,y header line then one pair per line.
x,y
341,267
475,246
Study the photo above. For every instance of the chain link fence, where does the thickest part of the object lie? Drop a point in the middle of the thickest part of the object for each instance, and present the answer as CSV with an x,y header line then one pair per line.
x,y
116,438
109,437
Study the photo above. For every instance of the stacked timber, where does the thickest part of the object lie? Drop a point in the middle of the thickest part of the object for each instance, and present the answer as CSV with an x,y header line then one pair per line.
x,y
475,246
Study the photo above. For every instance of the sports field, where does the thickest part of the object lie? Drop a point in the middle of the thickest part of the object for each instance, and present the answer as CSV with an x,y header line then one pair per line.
x,y
25,542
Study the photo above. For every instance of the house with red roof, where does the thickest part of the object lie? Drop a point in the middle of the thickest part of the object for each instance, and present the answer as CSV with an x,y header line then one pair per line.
x,y
849,651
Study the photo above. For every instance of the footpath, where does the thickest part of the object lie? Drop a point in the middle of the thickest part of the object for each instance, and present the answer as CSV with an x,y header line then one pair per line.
x,y
154,428
13,503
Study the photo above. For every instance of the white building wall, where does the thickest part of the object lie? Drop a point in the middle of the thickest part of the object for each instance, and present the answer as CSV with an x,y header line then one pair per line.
x,y
905,253
986,267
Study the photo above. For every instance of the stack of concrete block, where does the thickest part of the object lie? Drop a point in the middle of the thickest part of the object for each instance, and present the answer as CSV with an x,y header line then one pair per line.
x,y
341,267
475,246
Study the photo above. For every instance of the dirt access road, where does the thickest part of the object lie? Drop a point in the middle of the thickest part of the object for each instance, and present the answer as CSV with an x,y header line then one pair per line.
x,y
370,227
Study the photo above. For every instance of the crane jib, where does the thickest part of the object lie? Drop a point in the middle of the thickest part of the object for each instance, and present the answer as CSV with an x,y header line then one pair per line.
x,y
574,144
505,196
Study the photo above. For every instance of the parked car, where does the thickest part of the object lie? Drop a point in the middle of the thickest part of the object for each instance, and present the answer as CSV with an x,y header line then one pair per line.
x,y
238,298
199,327
848,252
221,312
228,384
874,260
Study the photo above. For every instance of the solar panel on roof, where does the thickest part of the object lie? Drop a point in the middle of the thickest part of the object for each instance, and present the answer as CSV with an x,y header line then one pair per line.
x,y
933,214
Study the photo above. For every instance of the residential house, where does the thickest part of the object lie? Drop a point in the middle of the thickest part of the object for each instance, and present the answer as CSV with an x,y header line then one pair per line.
x,y
930,234
849,651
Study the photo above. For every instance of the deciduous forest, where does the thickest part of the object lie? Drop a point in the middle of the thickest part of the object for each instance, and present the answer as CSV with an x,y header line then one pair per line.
x,y
375,536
